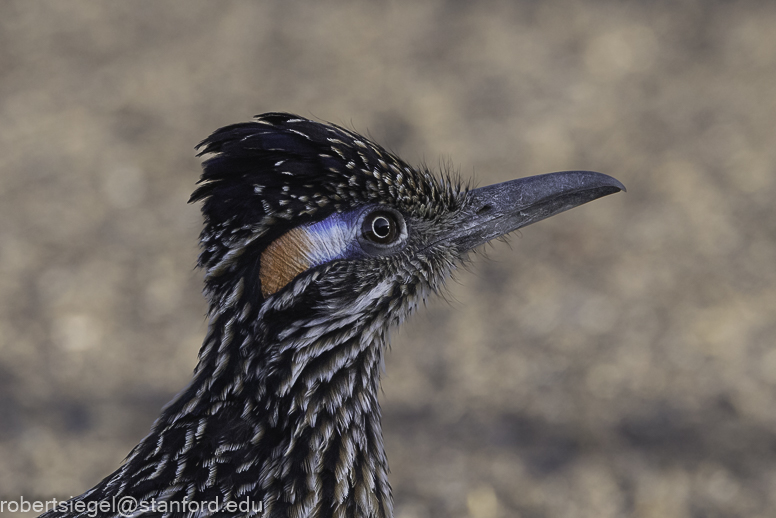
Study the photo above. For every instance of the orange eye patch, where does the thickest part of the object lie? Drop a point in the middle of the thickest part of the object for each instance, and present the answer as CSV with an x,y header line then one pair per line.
x,y
302,248
285,258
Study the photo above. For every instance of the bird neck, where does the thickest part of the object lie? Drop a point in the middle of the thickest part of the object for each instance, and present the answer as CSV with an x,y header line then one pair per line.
x,y
290,418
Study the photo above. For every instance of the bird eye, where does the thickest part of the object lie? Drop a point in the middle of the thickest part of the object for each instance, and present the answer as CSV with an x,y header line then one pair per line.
x,y
381,227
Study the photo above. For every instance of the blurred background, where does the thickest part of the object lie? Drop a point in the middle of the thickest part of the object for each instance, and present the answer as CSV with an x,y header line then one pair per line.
x,y
616,360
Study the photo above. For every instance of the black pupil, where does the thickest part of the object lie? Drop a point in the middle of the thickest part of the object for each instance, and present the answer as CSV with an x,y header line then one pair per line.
x,y
381,227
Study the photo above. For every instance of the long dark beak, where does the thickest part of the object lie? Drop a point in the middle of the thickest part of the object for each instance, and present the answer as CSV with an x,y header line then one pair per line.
x,y
496,210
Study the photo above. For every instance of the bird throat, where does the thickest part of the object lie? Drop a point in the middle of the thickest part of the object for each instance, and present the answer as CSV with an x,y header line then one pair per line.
x,y
293,422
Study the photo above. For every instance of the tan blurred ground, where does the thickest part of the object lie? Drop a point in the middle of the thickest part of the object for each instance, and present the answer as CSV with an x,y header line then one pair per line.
x,y
617,360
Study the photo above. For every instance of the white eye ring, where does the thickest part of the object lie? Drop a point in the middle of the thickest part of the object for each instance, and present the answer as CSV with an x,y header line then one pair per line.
x,y
382,226
381,229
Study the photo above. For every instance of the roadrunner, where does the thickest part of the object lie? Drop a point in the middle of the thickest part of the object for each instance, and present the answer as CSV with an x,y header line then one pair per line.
x,y
316,242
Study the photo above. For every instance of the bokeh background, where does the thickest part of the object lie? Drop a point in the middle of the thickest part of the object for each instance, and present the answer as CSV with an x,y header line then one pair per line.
x,y
617,360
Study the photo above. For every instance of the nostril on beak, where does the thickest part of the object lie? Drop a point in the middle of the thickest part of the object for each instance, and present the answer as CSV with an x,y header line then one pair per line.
x,y
485,208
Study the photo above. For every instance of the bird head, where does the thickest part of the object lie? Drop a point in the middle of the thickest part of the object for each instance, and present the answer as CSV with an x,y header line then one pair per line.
x,y
314,217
